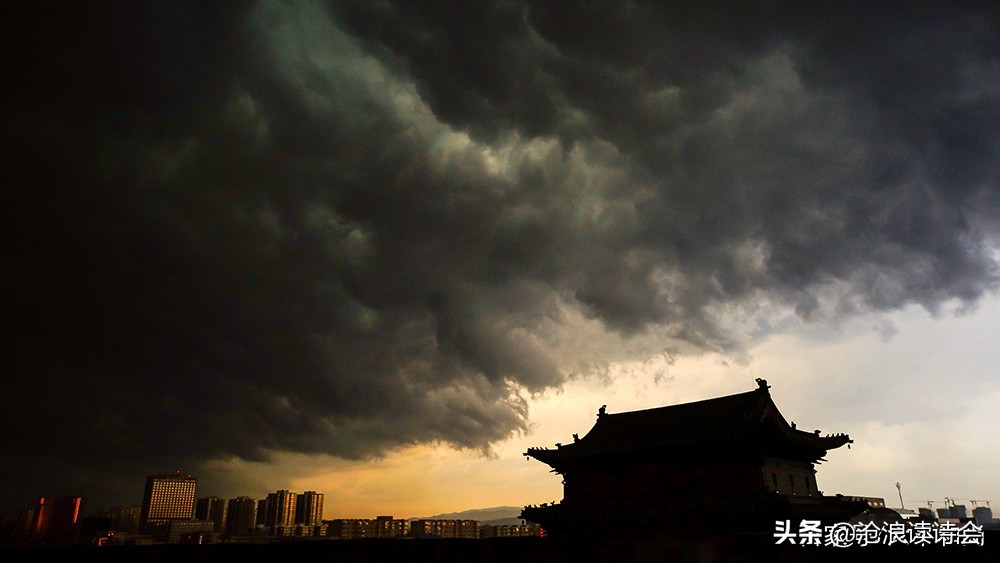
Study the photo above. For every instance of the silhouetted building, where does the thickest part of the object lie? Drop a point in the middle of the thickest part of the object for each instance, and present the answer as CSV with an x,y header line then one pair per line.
x,y
388,527
279,511
306,530
361,528
309,508
510,530
57,520
211,508
241,516
23,523
261,519
124,519
351,528
181,531
167,497
445,528
8,528
196,538
732,462
983,515
96,529
872,502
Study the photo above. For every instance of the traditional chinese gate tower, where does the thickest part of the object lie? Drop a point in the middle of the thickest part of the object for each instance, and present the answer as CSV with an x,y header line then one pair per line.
x,y
730,463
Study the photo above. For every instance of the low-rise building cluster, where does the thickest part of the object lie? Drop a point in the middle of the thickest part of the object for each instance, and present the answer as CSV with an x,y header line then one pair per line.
x,y
171,512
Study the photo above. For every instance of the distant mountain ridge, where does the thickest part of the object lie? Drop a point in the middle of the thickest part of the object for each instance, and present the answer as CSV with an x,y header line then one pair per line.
x,y
502,522
484,515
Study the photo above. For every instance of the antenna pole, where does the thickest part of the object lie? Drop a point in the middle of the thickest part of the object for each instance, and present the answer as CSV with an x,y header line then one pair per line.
x,y
899,490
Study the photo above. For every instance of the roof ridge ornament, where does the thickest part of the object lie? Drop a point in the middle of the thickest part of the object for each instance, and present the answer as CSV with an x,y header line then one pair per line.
x,y
762,384
603,411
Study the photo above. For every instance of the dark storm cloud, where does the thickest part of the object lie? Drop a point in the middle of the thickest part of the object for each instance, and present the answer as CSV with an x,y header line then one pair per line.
x,y
344,228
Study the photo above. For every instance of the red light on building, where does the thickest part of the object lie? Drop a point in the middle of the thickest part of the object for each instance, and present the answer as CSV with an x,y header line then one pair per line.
x,y
57,520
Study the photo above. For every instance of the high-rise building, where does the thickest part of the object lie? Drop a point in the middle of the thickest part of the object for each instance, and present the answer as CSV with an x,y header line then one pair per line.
x,y
309,508
280,509
57,520
168,497
260,521
211,508
241,516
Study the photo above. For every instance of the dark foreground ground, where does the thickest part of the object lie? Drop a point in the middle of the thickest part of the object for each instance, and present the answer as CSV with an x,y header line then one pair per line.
x,y
506,550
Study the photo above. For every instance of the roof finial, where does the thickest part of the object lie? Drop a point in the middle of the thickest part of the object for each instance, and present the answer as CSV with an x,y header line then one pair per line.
x,y
602,411
762,383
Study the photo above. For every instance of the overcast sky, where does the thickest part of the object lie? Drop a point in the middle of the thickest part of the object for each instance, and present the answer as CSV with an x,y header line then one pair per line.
x,y
358,246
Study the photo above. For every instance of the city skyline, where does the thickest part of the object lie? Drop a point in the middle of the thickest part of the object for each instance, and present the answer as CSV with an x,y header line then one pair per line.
x,y
380,250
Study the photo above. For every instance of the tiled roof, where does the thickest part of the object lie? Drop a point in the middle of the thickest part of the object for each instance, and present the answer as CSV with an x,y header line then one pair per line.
x,y
712,420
